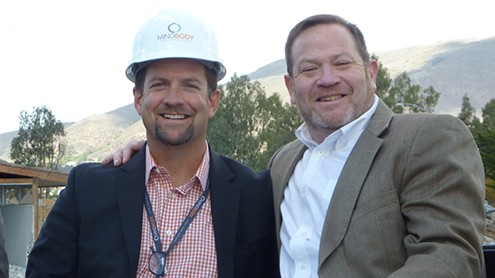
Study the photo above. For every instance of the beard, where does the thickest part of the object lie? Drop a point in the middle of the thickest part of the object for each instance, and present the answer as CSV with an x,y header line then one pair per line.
x,y
166,138
328,125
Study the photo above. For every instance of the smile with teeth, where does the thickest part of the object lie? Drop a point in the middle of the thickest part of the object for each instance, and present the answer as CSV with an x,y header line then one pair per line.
x,y
174,116
331,98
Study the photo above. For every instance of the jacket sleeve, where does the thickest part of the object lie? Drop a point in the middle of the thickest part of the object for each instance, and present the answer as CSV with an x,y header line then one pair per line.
x,y
442,198
54,253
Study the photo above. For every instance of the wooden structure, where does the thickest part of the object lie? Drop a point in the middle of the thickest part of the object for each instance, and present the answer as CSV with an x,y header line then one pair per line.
x,y
14,175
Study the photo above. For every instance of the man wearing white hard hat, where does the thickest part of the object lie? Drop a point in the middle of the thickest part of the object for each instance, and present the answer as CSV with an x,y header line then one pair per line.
x,y
176,209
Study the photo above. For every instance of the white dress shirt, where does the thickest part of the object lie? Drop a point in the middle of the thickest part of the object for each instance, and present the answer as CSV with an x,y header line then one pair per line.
x,y
308,194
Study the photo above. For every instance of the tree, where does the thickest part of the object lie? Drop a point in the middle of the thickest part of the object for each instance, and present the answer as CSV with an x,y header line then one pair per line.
x,y
408,96
483,133
250,126
488,115
485,138
383,83
401,94
468,114
40,141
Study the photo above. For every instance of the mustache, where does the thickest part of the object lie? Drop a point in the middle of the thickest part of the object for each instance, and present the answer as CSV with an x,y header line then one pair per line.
x,y
175,109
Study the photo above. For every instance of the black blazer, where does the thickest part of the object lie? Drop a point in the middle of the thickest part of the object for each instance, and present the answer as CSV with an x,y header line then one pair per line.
x,y
94,228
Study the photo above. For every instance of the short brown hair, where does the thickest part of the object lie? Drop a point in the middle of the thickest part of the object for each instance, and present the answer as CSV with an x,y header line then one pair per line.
x,y
324,19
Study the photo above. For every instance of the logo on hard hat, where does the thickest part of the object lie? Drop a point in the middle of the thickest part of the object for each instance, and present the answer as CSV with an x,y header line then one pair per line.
x,y
174,29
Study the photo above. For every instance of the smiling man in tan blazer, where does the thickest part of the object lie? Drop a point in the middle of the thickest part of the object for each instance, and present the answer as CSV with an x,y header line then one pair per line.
x,y
364,192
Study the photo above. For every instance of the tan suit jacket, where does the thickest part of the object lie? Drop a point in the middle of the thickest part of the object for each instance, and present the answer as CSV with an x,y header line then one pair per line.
x,y
408,203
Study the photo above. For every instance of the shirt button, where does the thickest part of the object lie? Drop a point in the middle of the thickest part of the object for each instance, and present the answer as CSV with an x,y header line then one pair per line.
x,y
303,266
169,232
174,195
321,153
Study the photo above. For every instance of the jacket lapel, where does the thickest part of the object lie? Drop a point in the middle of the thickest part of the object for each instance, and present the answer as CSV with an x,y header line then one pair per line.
x,y
351,181
225,199
281,169
130,197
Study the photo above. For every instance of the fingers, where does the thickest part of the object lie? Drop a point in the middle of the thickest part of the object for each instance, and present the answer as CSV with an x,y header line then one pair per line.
x,y
126,153
116,157
121,156
107,159
137,145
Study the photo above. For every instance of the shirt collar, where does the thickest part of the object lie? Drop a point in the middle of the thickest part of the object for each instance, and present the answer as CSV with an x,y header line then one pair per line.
x,y
350,130
201,173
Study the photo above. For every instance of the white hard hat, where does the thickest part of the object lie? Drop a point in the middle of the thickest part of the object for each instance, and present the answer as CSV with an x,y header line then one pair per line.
x,y
175,34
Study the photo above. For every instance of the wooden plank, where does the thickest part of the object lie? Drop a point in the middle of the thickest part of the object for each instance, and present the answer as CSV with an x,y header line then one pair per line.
x,y
27,181
36,226
47,177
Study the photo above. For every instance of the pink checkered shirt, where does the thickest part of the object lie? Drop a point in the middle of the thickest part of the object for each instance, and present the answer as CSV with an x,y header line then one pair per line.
x,y
195,254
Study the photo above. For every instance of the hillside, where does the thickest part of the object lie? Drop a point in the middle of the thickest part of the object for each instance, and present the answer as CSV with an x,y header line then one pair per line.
x,y
96,136
452,68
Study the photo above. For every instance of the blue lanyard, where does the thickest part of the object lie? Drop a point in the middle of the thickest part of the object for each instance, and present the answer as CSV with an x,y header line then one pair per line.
x,y
183,227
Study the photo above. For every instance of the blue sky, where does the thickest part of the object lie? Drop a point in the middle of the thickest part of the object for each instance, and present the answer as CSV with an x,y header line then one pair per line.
x,y
71,55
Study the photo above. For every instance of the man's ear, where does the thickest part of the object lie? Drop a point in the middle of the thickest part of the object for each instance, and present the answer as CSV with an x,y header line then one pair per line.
x,y
214,100
290,88
373,70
